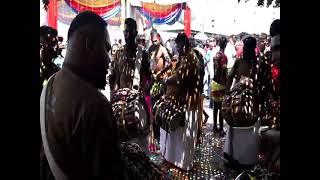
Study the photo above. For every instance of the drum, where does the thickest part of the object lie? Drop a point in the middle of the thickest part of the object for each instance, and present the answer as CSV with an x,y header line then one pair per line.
x,y
169,114
131,113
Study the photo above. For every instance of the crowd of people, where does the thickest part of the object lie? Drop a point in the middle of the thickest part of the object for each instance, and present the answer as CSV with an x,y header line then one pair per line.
x,y
156,95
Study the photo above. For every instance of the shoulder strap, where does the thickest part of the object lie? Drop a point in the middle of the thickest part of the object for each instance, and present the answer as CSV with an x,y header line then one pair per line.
x,y
136,77
56,171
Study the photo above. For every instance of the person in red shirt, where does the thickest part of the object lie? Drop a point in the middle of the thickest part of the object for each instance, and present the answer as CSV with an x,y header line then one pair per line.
x,y
218,84
240,51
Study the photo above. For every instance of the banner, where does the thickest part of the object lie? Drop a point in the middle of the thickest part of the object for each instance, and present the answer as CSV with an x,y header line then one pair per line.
x,y
160,14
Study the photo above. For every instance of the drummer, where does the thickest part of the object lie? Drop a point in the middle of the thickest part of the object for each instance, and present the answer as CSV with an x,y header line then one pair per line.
x,y
124,62
177,109
159,59
130,68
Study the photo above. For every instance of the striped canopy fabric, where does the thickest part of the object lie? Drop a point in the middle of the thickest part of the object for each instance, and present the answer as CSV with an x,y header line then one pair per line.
x,y
109,10
160,14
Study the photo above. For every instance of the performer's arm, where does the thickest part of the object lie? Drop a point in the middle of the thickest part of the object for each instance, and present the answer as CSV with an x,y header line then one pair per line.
x,y
145,72
166,54
114,73
231,75
179,74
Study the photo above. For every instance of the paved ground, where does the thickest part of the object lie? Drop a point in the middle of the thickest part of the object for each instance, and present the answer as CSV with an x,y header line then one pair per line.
x,y
208,160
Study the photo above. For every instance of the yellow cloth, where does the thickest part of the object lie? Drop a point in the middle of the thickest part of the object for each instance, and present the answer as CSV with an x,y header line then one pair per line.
x,y
217,91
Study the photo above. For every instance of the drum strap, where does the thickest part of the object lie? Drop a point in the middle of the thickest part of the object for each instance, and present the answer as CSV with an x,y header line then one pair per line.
x,y
165,145
56,171
231,141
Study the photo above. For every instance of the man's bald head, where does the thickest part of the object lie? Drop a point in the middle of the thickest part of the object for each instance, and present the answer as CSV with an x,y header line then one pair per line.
x,y
88,46
84,19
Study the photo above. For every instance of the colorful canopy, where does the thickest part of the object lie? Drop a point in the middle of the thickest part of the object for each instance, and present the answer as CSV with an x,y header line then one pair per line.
x,y
107,9
161,14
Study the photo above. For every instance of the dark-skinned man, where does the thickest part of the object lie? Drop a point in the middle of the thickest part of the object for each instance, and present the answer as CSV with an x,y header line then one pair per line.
x,y
129,78
79,132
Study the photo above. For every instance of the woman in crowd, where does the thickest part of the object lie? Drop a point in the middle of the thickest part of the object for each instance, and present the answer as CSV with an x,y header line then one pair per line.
x,y
218,84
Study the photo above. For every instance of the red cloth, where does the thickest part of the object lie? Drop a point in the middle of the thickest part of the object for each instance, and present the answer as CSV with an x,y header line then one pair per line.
x,y
53,14
240,52
275,74
147,98
148,102
224,59
187,21
257,51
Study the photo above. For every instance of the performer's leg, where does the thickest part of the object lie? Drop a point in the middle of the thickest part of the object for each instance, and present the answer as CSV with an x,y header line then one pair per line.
x,y
206,116
200,118
219,104
156,128
215,116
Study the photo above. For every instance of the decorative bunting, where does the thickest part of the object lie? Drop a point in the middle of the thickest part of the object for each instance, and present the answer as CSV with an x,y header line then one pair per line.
x,y
160,14
109,10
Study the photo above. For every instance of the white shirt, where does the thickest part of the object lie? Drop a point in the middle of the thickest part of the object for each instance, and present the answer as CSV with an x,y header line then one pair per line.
x,y
214,51
230,52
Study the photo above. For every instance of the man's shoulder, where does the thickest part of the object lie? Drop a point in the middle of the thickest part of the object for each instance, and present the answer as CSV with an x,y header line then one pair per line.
x,y
69,81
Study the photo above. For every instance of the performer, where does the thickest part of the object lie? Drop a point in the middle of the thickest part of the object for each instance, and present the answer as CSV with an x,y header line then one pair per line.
x,y
240,107
177,110
197,49
49,50
129,75
159,59
218,84
270,102
158,54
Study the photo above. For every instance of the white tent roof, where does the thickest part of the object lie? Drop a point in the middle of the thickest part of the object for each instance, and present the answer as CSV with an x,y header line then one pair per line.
x,y
201,36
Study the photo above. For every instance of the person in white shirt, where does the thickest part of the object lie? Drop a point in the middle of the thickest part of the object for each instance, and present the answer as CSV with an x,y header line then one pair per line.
x,y
231,52
208,61
214,50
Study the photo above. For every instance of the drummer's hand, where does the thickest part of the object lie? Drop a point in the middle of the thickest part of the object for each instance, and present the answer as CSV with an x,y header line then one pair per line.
x,y
158,76
227,92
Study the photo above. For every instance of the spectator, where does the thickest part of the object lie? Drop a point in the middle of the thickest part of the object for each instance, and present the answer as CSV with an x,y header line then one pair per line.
x,y
231,52
219,82
81,132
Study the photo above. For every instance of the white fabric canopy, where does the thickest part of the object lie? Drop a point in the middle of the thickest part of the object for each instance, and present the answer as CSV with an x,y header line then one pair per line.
x,y
201,36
